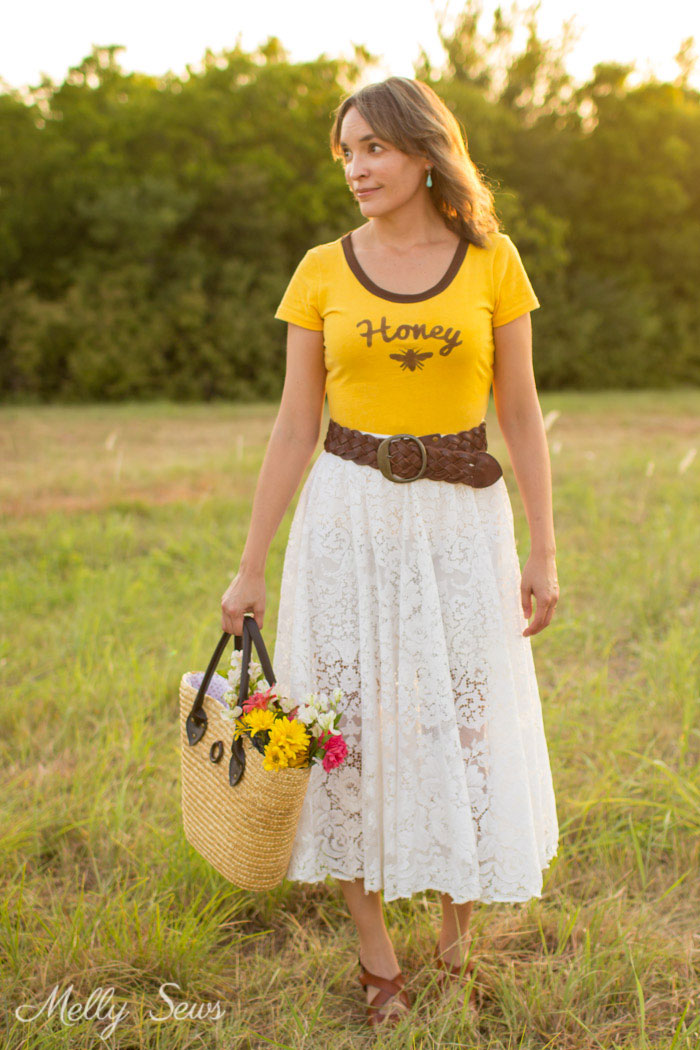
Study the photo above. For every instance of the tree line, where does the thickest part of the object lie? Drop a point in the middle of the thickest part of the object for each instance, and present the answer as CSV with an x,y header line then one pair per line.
x,y
149,225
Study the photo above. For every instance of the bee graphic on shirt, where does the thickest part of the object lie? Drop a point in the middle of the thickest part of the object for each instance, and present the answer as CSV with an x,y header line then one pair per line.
x,y
411,358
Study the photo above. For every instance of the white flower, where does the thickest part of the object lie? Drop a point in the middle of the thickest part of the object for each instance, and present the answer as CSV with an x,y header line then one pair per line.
x,y
257,683
308,703
230,714
323,702
319,701
235,664
255,671
326,720
285,701
306,714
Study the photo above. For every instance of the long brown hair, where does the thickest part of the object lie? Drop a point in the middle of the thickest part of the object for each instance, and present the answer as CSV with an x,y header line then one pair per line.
x,y
411,116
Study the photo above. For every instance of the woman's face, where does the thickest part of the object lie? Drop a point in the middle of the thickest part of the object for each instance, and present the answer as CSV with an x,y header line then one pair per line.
x,y
371,163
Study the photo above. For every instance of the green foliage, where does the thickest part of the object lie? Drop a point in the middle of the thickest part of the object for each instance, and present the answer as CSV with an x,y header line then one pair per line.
x,y
149,225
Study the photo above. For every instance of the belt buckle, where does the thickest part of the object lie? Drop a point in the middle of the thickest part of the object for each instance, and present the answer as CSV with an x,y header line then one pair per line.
x,y
383,457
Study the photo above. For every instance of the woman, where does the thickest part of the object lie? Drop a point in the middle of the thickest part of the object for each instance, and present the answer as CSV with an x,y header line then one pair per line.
x,y
401,582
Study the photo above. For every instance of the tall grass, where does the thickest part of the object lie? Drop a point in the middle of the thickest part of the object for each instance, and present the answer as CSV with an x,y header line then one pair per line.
x,y
121,527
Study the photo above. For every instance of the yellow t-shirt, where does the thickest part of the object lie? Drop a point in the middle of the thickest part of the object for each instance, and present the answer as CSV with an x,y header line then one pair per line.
x,y
408,363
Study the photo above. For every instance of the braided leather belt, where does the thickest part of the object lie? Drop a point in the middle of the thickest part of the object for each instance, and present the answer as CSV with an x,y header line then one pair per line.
x,y
460,457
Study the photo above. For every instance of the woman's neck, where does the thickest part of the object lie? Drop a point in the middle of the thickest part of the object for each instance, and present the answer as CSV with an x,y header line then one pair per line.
x,y
401,233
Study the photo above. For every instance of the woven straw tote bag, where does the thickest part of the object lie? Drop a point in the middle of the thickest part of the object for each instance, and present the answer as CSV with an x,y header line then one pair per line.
x,y
240,817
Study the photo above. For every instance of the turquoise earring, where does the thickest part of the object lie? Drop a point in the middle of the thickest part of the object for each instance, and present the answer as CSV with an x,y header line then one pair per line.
x,y
429,180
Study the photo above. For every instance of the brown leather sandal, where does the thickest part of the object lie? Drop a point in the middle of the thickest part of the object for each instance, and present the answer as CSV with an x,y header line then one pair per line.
x,y
390,990
449,976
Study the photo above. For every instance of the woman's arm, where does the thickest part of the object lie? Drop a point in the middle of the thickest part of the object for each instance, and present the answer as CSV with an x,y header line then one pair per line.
x,y
292,443
520,419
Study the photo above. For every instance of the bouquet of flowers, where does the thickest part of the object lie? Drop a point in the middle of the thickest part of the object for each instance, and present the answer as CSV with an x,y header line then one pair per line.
x,y
288,733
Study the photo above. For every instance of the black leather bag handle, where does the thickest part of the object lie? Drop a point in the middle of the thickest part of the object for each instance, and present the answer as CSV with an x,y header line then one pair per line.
x,y
253,635
196,722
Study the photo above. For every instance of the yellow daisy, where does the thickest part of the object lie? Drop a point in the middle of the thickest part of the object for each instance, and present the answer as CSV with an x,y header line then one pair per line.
x,y
275,757
258,719
300,759
292,736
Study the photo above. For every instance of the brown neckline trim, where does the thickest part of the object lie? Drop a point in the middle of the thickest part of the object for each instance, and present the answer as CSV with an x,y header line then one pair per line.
x,y
404,297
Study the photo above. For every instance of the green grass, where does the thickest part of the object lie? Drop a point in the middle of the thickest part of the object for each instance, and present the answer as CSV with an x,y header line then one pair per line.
x,y
122,525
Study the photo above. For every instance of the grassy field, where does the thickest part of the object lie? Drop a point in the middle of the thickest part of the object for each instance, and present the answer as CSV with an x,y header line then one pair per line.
x,y
121,527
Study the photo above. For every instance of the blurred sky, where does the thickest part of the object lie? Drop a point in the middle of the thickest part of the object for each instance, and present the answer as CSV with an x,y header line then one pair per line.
x,y
43,37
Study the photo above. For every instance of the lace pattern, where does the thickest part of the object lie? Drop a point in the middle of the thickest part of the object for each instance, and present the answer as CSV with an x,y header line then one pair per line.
x,y
407,596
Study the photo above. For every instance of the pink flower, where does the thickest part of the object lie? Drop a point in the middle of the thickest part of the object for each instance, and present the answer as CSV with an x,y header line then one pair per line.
x,y
335,751
260,700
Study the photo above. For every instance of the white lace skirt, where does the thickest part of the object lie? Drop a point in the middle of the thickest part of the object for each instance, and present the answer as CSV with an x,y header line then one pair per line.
x,y
407,597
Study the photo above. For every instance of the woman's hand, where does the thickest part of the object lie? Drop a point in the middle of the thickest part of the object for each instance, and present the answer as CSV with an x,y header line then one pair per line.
x,y
539,578
245,593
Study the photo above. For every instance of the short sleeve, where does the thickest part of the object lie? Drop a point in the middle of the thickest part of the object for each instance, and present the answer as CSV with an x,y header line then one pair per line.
x,y
299,303
513,293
